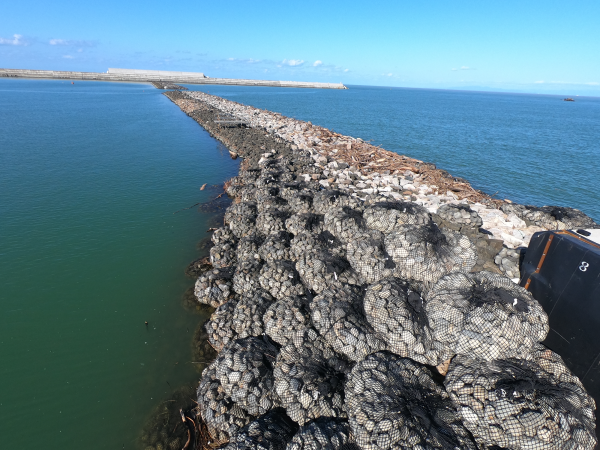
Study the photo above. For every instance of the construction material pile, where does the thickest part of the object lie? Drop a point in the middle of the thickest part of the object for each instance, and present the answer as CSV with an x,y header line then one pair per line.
x,y
333,311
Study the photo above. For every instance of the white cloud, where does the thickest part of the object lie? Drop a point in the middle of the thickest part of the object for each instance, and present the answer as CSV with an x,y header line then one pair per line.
x,y
390,74
71,43
67,57
346,70
317,63
17,39
292,62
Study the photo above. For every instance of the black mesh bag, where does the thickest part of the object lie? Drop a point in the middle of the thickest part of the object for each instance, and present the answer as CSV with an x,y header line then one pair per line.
x,y
222,235
222,416
220,326
273,203
324,433
397,314
241,225
460,214
426,253
245,370
245,278
289,190
345,223
223,255
242,208
522,404
320,269
367,256
276,246
247,193
551,217
394,403
248,247
249,175
484,315
271,221
305,223
309,378
324,200
387,217
270,177
308,242
337,313
247,319
286,318
301,202
272,431
214,287
281,279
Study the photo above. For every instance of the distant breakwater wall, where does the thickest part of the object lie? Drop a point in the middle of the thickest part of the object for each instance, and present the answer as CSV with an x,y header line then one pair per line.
x,y
147,78
331,281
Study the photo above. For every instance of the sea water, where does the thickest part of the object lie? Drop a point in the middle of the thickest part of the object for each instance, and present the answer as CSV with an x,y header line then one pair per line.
x,y
92,176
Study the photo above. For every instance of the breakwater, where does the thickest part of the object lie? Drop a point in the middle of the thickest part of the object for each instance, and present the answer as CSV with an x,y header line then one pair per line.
x,y
147,77
355,286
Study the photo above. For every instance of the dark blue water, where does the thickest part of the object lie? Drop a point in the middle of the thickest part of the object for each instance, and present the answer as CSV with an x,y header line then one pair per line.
x,y
533,149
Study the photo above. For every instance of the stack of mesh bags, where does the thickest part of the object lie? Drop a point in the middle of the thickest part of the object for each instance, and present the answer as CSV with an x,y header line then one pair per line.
x,y
223,254
247,318
324,433
309,378
248,247
394,403
301,202
307,242
460,214
321,268
222,235
245,278
271,431
280,279
397,314
388,217
287,318
269,177
345,223
275,203
534,403
271,221
324,200
241,218
337,314
289,190
425,253
247,193
368,257
484,315
214,287
220,326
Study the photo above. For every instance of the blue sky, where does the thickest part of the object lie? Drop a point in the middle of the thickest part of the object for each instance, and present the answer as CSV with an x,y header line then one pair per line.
x,y
523,46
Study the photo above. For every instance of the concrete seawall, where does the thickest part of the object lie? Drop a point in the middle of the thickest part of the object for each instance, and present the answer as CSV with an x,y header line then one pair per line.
x,y
137,78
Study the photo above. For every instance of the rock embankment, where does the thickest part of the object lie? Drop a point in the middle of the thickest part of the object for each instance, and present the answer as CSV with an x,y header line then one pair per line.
x,y
356,303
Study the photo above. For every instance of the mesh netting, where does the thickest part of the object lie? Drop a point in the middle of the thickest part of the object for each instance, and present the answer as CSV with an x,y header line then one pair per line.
x,y
425,253
519,404
248,246
241,225
308,242
280,279
286,318
368,256
324,434
460,214
242,208
276,246
273,203
245,278
234,187
301,202
309,378
270,177
388,216
305,222
337,313
222,416
289,190
247,193
220,326
267,192
320,269
214,287
394,403
247,319
345,223
223,235
272,431
324,200
397,314
551,217
484,315
223,255
245,370
271,221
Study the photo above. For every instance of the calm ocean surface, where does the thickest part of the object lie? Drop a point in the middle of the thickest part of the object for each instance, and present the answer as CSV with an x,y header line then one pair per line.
x,y
91,173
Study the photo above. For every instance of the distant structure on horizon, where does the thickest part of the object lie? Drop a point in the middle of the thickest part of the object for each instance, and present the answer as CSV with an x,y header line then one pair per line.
x,y
157,73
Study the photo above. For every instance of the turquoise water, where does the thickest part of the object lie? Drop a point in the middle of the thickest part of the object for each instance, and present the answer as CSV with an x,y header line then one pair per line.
x,y
534,149
90,176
